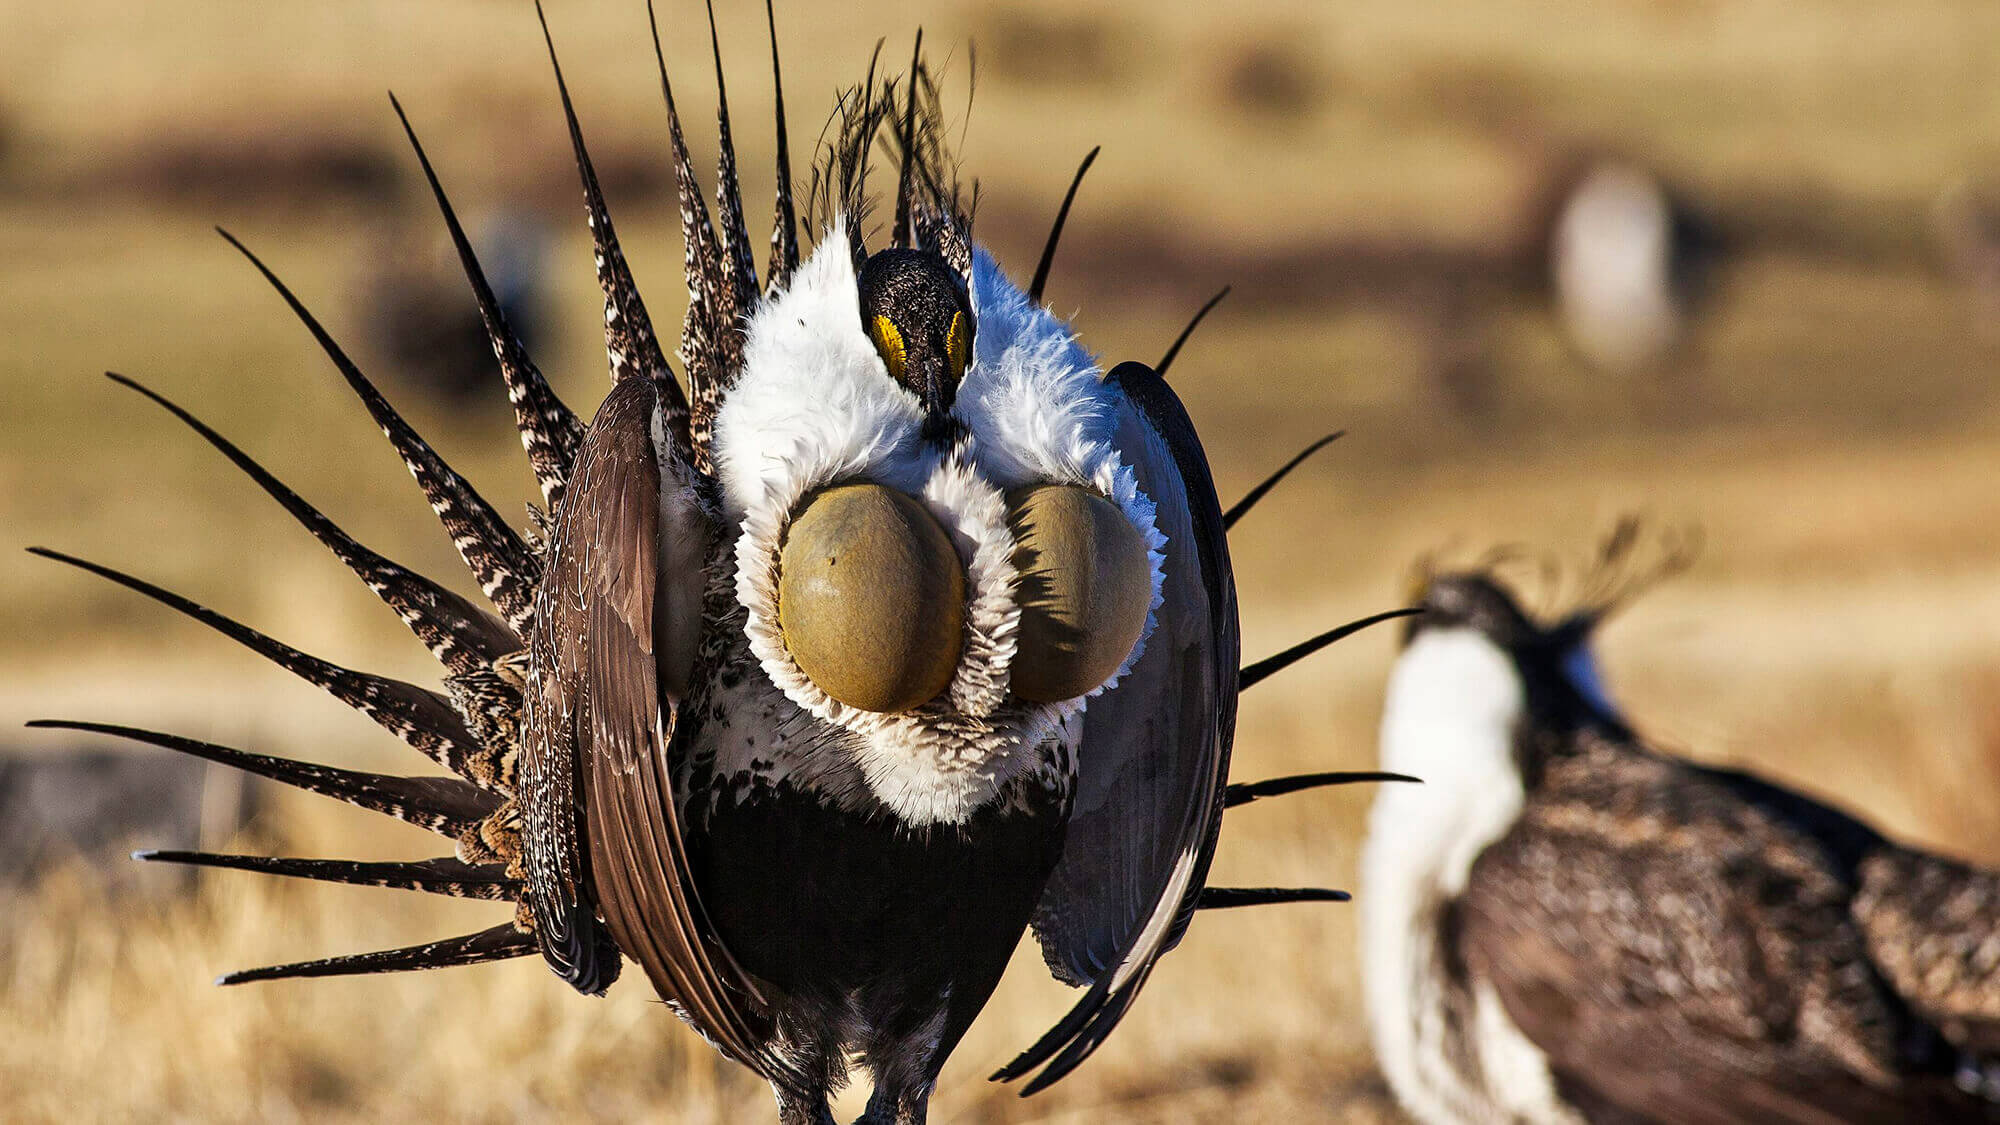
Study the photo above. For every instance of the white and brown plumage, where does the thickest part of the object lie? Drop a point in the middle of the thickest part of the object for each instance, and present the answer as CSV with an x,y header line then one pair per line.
x,y
648,767
1565,925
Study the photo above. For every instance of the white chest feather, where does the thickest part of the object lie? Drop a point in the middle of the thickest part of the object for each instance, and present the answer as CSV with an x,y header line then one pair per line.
x,y
1454,703
815,406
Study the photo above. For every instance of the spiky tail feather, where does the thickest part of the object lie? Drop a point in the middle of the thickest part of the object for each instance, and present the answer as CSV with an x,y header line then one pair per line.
x,y
475,730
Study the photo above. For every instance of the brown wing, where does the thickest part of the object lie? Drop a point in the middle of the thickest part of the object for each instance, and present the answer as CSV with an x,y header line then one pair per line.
x,y
1681,956
1154,755
616,620
1933,926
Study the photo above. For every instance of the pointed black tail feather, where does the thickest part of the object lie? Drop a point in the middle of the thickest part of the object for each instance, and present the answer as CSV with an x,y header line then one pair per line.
x,y
495,944
450,877
1250,499
420,717
785,222
1256,673
1201,314
739,264
1223,898
501,563
550,431
462,636
1056,229
1245,792
1080,1033
447,806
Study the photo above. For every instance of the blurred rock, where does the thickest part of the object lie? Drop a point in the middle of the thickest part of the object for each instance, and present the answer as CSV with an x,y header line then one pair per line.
x,y
96,805
420,312
1277,78
1965,221
1043,48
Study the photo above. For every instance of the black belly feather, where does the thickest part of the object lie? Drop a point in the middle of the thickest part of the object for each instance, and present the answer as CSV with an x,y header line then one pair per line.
x,y
869,917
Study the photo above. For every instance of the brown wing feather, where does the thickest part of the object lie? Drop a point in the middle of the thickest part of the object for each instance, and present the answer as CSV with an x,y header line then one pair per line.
x,y
1154,757
613,611
1933,925
1680,954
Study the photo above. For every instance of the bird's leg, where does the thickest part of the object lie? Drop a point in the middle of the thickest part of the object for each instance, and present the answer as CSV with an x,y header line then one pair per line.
x,y
897,1103
796,1109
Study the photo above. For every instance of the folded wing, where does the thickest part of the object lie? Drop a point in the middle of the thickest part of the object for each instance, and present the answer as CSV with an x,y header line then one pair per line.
x,y
1154,756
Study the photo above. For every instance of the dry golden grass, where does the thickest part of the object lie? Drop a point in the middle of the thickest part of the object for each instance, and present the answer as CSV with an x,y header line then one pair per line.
x,y
1838,440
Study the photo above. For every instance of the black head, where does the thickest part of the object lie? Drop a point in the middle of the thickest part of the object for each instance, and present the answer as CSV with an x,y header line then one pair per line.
x,y
915,310
1555,663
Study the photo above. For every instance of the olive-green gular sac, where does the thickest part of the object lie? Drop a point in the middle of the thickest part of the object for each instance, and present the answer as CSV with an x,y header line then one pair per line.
x,y
871,598
1084,586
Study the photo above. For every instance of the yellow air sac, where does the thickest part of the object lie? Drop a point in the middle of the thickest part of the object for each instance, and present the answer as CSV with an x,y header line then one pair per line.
x,y
1084,587
871,598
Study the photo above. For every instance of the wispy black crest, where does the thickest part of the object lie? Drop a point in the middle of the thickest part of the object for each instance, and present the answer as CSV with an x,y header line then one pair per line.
x,y
932,207
1223,898
1243,793
839,187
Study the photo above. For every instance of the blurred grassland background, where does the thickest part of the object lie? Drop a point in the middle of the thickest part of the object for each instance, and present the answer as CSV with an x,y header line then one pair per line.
x,y
1365,173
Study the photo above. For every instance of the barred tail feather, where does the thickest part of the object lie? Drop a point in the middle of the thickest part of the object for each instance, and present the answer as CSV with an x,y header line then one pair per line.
x,y
711,347
447,806
740,266
628,330
420,717
496,944
505,568
463,637
550,431
452,878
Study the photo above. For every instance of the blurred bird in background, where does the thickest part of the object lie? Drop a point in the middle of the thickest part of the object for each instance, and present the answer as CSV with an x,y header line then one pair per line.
x,y
1564,924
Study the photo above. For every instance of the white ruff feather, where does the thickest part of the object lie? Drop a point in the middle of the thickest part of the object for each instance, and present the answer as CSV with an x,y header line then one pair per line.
x,y
816,406
1453,705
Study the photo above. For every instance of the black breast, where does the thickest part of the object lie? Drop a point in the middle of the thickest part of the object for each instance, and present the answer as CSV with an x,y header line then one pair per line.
x,y
829,905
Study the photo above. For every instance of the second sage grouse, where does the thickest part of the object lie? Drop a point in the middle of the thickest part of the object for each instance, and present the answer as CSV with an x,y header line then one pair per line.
x,y
1564,924
901,629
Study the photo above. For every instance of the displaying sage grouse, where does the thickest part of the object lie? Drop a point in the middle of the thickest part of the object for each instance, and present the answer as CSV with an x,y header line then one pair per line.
x,y
903,628
1563,924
